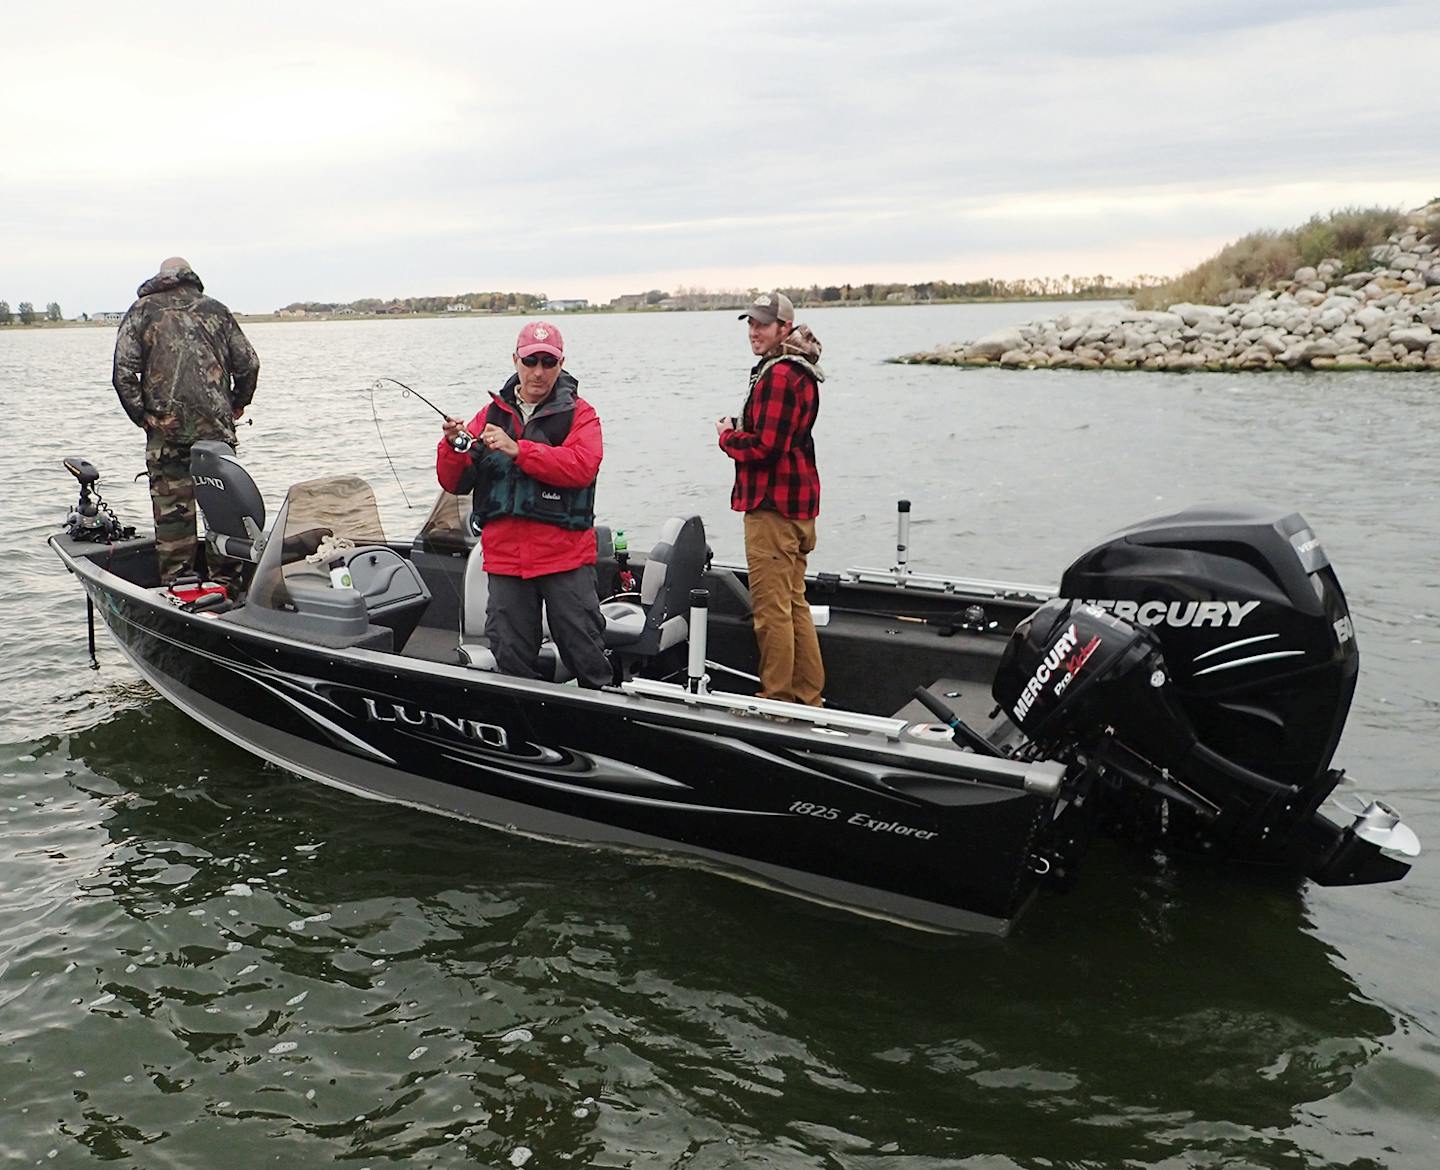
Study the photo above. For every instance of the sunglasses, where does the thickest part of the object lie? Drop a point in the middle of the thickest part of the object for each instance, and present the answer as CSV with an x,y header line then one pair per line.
x,y
548,360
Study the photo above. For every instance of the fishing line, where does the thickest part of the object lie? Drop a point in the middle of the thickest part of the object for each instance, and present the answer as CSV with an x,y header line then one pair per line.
x,y
406,391
376,416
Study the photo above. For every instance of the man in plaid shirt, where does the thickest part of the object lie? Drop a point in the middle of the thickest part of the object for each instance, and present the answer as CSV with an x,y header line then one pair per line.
x,y
777,486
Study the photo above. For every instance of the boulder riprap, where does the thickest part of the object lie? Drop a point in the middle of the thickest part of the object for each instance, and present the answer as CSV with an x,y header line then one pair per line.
x,y
1384,318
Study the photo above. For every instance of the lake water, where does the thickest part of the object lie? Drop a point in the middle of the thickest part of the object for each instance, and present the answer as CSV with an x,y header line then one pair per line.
x,y
205,961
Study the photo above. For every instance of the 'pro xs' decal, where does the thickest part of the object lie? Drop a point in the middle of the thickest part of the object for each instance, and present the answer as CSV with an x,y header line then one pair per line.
x,y
1065,659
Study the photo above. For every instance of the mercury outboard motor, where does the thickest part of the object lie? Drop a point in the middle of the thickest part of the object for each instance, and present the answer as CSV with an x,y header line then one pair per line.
x,y
1205,663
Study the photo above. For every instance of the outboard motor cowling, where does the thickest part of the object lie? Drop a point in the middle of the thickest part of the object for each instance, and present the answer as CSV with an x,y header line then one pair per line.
x,y
1253,625
1204,662
1071,666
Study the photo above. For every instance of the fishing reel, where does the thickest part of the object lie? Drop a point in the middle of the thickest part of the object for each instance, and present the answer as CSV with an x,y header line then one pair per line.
x,y
91,518
462,441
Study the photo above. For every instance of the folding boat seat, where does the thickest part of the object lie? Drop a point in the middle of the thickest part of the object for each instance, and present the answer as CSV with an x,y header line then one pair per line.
x,y
633,630
661,618
475,649
233,508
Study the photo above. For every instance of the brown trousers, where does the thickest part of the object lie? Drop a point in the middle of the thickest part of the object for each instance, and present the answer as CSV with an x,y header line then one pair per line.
x,y
775,548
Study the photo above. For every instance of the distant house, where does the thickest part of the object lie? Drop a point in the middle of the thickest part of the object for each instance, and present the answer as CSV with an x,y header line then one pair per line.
x,y
565,306
393,307
345,311
457,307
111,318
290,312
628,301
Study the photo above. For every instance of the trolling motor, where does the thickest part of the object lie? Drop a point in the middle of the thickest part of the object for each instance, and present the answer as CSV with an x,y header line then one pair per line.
x,y
93,521
91,518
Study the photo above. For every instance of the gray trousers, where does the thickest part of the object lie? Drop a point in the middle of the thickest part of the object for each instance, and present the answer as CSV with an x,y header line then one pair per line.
x,y
572,606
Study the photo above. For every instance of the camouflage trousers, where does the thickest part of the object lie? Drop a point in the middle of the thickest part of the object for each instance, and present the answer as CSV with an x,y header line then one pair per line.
x,y
172,499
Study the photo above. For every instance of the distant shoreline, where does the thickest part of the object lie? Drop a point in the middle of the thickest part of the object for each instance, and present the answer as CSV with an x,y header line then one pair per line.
x,y
258,318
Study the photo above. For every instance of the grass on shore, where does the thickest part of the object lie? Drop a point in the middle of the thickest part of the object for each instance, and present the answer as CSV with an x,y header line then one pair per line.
x,y
1261,258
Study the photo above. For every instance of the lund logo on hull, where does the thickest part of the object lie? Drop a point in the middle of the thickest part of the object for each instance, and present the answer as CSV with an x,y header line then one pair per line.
x,y
490,734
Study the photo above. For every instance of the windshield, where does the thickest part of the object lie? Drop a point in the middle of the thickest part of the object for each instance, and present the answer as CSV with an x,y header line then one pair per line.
x,y
320,521
447,528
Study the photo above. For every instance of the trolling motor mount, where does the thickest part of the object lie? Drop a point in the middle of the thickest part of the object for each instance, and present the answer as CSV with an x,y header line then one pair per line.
x,y
91,518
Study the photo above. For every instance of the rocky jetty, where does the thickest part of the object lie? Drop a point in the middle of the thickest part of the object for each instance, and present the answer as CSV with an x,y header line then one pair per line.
x,y
1386,317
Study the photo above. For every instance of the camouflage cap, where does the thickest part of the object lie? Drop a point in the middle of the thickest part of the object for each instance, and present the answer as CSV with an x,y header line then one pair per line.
x,y
768,308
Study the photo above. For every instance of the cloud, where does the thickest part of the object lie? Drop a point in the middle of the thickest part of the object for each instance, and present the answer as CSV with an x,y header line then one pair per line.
x,y
330,151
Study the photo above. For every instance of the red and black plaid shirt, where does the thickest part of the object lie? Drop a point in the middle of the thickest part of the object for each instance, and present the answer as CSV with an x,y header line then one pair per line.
x,y
773,449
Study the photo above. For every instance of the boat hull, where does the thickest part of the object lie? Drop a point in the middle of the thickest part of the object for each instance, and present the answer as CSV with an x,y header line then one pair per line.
x,y
917,833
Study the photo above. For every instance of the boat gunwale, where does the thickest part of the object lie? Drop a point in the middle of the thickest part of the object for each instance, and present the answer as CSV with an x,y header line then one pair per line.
x,y
1040,779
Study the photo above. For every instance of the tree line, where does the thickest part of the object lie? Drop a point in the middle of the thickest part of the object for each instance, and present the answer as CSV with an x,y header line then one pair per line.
x,y
1099,286
25,313
986,288
495,302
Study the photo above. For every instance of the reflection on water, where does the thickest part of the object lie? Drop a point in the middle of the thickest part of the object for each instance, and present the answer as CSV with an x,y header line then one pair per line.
x,y
233,946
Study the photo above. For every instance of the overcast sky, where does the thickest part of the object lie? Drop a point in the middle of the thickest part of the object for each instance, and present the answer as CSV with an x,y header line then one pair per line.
x,y
318,150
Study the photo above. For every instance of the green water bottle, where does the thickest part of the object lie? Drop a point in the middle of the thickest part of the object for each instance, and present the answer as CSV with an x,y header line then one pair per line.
x,y
622,561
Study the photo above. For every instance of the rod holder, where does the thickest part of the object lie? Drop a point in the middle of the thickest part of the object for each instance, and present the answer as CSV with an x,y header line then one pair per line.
x,y
698,681
902,542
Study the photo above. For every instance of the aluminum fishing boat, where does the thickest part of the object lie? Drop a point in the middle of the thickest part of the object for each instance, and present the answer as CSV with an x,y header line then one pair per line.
x,y
1184,688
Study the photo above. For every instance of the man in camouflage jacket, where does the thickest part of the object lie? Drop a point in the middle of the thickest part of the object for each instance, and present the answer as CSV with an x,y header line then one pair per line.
x,y
184,371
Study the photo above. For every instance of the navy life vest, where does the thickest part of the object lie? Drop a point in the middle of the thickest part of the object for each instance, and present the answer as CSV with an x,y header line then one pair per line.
x,y
502,489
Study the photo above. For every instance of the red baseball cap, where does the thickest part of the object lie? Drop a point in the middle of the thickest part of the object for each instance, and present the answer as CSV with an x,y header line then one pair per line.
x,y
539,337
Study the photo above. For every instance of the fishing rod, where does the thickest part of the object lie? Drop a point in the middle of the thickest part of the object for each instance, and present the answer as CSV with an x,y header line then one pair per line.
x,y
972,618
461,442
409,390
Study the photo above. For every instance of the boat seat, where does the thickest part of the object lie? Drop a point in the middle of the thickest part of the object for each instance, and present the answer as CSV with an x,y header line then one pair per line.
x,y
633,630
233,509
661,618
229,500
475,649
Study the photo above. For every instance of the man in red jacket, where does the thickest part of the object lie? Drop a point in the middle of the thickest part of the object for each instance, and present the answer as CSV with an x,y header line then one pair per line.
x,y
777,486
534,453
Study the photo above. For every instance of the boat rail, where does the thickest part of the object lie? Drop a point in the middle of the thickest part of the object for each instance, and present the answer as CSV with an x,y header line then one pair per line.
x,y
930,582
1000,590
820,717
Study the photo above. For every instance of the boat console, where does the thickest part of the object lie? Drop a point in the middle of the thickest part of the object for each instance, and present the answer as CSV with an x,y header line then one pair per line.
x,y
330,578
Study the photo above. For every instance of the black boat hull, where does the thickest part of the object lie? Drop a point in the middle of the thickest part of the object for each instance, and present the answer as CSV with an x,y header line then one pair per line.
x,y
917,832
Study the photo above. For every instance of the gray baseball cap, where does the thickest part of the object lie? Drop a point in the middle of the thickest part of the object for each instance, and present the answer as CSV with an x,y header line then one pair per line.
x,y
768,308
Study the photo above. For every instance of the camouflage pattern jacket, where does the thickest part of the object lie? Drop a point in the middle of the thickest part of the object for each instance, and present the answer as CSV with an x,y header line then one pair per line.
x,y
182,365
